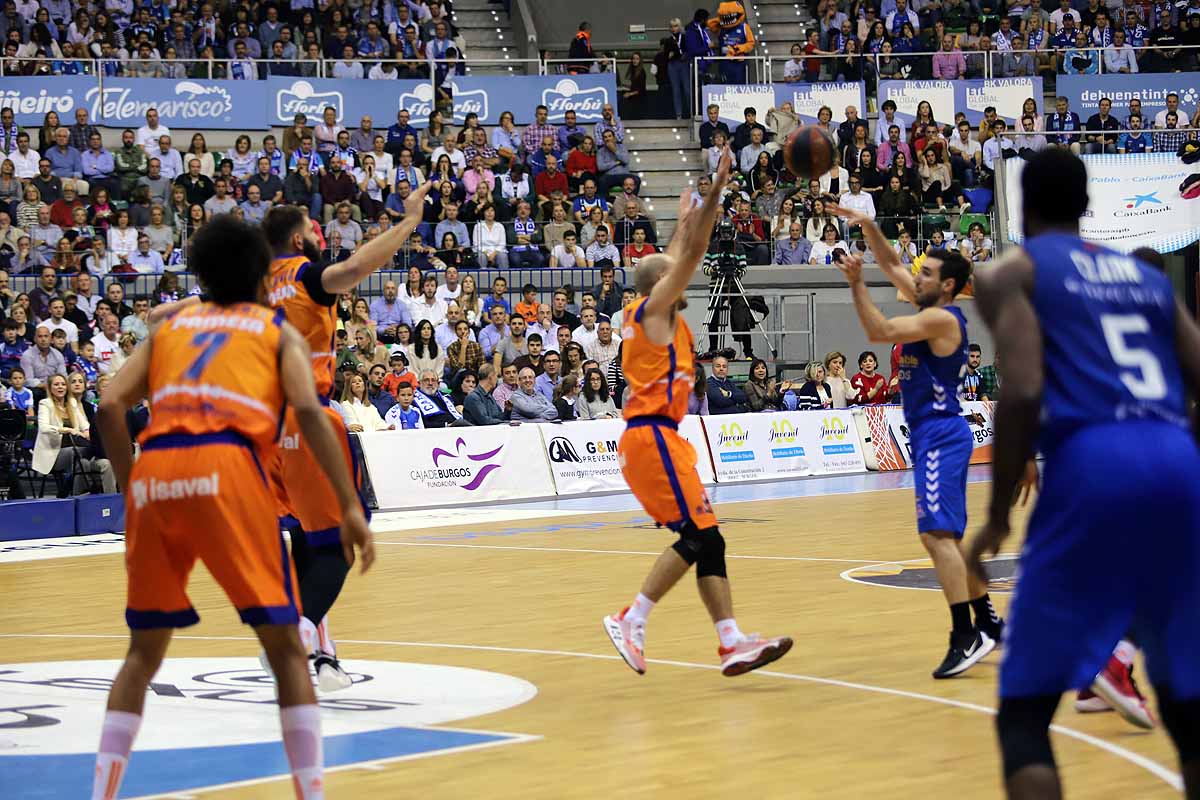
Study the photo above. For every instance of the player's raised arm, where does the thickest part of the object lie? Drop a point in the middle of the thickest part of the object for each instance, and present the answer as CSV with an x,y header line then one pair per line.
x,y
889,260
929,323
378,252
693,231
1003,293
129,386
300,389
164,310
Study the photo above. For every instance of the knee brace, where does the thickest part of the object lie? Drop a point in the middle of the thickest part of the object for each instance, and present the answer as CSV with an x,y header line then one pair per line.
x,y
1023,727
1182,720
704,548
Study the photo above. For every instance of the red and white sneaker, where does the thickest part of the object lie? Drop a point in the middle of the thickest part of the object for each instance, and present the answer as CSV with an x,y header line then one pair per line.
x,y
1116,686
1088,702
628,638
752,652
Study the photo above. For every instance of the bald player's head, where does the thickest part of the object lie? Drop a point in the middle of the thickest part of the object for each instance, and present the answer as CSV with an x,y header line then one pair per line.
x,y
650,271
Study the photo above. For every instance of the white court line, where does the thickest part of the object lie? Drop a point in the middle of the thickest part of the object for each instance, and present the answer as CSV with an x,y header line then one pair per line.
x,y
1164,774
862,561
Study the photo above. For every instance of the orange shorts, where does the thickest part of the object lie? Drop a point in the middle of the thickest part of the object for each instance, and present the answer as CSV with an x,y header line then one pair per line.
x,y
660,467
300,485
204,497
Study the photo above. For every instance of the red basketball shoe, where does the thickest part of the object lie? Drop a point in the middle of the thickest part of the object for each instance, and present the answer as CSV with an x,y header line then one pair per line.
x,y
752,652
629,639
1115,685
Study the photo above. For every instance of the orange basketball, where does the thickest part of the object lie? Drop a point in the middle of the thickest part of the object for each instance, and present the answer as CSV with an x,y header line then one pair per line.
x,y
809,152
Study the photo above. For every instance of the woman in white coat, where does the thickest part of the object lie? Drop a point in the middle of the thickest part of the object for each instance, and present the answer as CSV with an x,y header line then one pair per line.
x,y
358,412
64,435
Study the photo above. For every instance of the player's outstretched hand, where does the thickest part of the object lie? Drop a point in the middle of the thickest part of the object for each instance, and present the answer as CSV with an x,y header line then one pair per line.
x,y
415,202
986,543
851,215
686,207
356,535
851,267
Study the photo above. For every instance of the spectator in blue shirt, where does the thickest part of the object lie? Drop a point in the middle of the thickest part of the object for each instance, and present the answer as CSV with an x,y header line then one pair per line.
x,y
724,396
795,249
497,298
12,349
98,166
397,132
372,45
388,313
65,161
569,133
588,200
1134,142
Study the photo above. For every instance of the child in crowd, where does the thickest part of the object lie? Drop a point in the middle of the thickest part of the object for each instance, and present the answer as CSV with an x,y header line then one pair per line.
x,y
400,373
403,416
85,362
20,396
528,306
12,349
58,340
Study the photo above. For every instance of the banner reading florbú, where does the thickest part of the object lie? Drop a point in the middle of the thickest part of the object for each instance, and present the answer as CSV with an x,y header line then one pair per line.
x,y
1133,201
490,96
806,98
971,97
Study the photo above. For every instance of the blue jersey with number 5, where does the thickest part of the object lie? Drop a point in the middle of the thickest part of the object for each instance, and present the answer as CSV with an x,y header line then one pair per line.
x,y
1108,328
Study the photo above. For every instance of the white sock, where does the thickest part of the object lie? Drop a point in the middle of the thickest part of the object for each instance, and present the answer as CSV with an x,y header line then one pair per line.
x,y
116,741
308,635
302,743
727,630
1125,652
640,609
325,641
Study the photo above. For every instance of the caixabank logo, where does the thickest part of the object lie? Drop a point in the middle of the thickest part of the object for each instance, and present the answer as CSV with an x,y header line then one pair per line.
x,y
210,722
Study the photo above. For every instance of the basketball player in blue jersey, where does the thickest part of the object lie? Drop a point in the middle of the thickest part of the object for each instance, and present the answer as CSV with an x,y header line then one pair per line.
x,y
932,361
1098,357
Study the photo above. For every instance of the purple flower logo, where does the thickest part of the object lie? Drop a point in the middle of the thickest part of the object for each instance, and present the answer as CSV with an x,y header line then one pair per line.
x,y
465,471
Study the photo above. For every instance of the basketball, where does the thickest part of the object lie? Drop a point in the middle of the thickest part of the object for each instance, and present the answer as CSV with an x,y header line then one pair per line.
x,y
808,152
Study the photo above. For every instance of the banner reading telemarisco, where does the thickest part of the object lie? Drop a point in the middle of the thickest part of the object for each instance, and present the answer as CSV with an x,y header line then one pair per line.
x,y
1134,201
971,97
257,105
806,98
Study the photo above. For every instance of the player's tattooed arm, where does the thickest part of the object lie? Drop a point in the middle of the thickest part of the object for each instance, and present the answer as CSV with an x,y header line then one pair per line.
x,y
929,324
887,257
1003,293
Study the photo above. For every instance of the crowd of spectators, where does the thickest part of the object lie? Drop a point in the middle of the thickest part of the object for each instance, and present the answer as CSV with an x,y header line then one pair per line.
x,y
243,40
540,195
916,180
956,39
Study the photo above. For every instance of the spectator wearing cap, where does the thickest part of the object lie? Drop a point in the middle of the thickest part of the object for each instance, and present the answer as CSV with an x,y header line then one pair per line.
x,y
742,136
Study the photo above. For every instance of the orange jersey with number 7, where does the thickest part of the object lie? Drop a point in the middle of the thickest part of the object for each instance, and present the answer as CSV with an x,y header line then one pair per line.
x,y
216,368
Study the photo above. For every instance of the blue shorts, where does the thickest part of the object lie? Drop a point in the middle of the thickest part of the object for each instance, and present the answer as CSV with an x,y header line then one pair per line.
x,y
1113,545
941,452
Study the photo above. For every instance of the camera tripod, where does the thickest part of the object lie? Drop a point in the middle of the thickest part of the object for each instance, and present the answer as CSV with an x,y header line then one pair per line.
x,y
727,284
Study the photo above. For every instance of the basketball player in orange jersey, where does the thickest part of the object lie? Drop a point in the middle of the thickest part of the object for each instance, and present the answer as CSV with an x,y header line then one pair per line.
x,y
660,465
218,375
306,289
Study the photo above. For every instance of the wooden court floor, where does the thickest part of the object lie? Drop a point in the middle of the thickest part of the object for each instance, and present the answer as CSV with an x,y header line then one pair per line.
x,y
851,712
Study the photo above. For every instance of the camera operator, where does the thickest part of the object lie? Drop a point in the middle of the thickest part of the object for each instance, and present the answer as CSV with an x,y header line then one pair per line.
x,y
725,261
